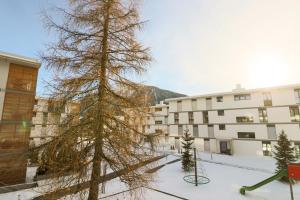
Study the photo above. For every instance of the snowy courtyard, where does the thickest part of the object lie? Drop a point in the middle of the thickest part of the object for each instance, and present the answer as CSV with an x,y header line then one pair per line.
x,y
226,173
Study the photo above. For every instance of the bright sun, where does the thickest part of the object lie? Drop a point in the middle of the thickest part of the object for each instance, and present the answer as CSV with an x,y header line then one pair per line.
x,y
268,71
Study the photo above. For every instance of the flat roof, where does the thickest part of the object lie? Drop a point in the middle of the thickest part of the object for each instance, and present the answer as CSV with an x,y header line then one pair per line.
x,y
17,59
236,91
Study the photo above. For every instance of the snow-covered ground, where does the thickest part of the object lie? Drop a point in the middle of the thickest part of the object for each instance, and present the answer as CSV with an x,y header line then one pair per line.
x,y
225,181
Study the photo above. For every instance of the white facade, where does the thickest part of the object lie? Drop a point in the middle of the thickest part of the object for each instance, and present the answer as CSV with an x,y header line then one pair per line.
x,y
45,122
241,122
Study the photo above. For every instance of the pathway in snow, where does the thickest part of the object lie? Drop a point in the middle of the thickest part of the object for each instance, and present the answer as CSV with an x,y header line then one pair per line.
x,y
237,166
220,162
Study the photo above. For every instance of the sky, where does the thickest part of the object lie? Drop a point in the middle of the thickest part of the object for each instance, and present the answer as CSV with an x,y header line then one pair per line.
x,y
198,46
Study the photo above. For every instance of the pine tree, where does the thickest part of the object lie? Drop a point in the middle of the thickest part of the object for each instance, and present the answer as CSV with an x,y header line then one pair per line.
x,y
187,161
284,154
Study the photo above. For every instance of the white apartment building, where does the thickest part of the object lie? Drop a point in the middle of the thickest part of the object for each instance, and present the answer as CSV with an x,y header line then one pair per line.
x,y
239,122
45,119
157,122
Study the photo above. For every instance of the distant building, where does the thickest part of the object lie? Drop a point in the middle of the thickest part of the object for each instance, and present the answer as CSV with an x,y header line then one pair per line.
x,y
240,122
18,77
46,118
157,122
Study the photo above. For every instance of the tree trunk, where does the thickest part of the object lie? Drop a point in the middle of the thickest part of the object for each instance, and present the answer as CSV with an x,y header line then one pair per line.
x,y
96,171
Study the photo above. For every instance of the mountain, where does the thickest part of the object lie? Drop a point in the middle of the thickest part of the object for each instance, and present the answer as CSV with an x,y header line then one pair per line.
x,y
158,94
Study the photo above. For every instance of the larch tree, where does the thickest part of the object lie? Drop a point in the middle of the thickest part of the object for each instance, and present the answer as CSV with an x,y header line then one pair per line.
x,y
95,60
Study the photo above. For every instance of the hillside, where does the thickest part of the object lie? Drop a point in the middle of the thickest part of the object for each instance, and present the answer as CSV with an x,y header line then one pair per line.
x,y
161,94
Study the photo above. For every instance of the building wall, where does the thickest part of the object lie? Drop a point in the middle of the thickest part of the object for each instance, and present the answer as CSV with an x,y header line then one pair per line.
x,y
249,148
278,115
16,102
4,67
45,122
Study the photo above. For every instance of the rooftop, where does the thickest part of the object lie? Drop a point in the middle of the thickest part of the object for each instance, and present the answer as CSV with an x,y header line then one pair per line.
x,y
22,60
237,90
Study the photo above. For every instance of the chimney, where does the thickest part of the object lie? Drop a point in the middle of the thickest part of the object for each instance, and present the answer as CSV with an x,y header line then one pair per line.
x,y
238,88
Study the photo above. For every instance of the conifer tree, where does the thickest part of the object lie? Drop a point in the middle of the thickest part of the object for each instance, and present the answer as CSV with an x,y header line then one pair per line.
x,y
187,160
284,154
96,59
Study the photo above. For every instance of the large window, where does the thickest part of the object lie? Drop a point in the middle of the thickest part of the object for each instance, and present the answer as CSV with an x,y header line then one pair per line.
x,y
176,118
222,127
297,95
246,135
21,78
191,118
194,104
263,117
242,97
297,149
267,99
158,109
18,107
244,119
158,122
179,106
294,113
180,130
220,112
267,148
158,131
195,131
219,98
205,117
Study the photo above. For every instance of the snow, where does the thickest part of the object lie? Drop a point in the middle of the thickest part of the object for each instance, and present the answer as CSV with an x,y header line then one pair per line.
x,y
225,181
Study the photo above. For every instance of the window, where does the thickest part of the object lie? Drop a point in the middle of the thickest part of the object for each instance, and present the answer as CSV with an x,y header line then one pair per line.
x,y
263,117
244,119
56,107
219,99
176,118
222,127
241,97
158,131
180,130
267,99
294,113
297,95
21,78
297,149
220,112
205,117
246,135
158,109
267,148
158,122
195,131
18,106
45,117
194,104
179,106
191,118
148,126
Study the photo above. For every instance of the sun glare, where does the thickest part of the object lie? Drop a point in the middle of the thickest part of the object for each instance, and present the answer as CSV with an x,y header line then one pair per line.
x,y
268,71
